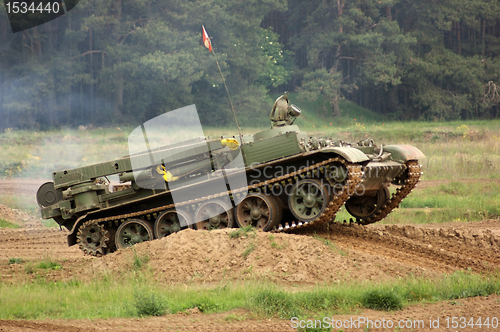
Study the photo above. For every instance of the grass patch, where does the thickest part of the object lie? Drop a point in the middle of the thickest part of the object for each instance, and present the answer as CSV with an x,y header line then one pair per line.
x,y
15,261
139,261
382,299
7,224
243,232
207,304
140,295
149,304
273,302
235,318
454,201
31,154
29,268
49,265
275,244
462,285
40,299
251,247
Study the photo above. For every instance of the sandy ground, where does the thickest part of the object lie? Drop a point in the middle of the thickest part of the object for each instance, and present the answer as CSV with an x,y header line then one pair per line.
x,y
375,252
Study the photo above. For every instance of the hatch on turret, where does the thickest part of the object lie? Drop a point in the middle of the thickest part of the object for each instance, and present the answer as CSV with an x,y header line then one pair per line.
x,y
283,113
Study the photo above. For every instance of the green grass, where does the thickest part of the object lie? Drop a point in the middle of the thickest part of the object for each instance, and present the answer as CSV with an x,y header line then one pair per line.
x,y
149,304
139,295
455,201
275,244
245,232
139,260
15,260
73,299
7,224
251,247
49,265
382,299
29,268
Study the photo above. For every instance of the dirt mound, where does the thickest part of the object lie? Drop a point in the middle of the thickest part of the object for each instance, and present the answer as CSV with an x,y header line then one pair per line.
x,y
25,191
445,247
18,217
213,256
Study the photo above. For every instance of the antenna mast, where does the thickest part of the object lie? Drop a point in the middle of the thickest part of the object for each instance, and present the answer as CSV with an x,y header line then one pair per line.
x,y
208,44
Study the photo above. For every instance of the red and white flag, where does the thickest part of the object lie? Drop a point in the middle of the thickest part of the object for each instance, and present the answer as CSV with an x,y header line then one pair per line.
x,y
206,39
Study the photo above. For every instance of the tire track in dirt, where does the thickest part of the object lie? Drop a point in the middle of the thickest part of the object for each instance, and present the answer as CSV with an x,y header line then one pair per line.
x,y
36,244
20,325
443,249
33,246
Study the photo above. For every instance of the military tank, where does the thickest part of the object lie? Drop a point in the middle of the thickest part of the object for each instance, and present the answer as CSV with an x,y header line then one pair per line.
x,y
276,180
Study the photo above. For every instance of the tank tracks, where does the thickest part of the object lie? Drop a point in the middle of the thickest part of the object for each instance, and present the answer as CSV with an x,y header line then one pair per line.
x,y
414,173
353,179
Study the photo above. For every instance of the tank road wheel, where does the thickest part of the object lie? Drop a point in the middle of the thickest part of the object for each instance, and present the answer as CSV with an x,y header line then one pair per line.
x,y
258,210
133,231
171,221
364,207
214,215
308,199
94,239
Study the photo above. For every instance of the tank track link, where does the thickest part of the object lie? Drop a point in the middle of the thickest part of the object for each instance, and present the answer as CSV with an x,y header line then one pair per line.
x,y
354,178
414,173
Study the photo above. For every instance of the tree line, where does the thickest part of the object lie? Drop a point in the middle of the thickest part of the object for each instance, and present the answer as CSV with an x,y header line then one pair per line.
x,y
126,61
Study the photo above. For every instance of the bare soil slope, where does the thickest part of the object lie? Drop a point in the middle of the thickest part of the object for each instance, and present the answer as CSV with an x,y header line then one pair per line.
x,y
352,252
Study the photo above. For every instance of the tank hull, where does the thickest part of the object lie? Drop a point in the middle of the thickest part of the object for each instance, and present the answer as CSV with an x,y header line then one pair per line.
x,y
276,180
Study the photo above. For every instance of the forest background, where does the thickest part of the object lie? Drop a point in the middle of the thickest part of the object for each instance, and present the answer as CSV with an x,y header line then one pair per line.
x,y
126,61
